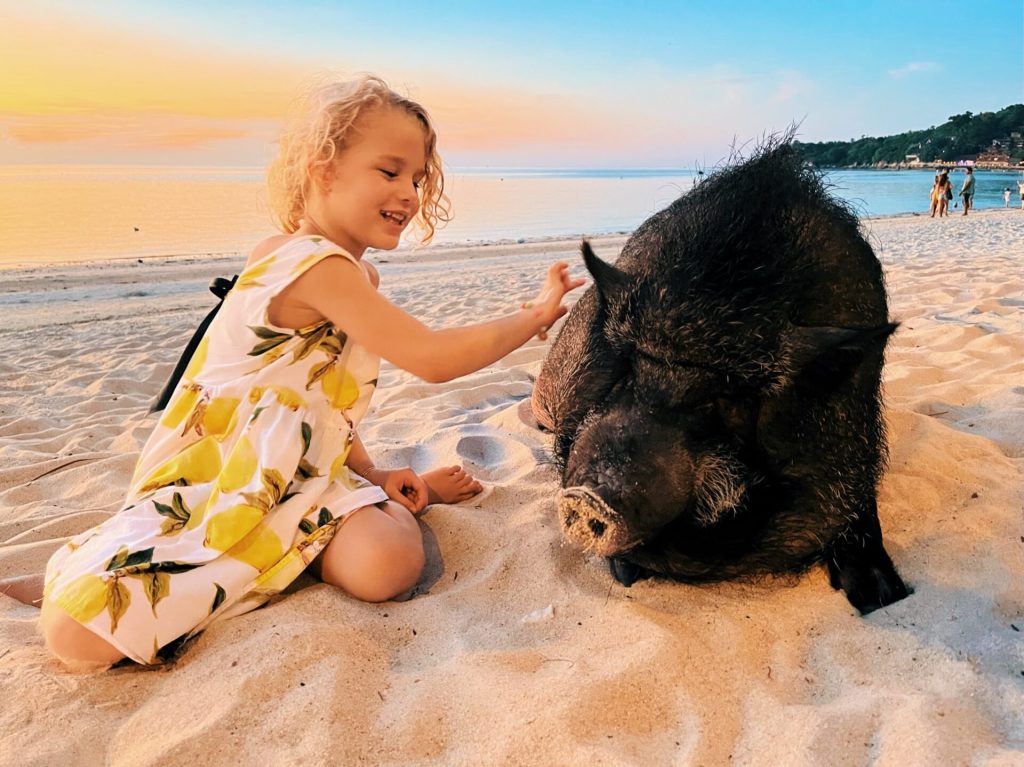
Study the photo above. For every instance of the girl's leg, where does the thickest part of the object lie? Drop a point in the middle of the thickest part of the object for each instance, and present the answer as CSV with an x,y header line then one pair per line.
x,y
376,555
65,637
27,589
72,642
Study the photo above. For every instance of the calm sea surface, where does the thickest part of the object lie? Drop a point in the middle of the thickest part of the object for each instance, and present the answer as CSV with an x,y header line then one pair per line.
x,y
51,213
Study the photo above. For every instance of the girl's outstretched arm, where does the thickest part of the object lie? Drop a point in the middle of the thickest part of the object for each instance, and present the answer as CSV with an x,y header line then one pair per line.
x,y
336,289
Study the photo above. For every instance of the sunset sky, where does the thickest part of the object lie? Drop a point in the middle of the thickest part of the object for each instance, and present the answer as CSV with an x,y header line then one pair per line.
x,y
533,84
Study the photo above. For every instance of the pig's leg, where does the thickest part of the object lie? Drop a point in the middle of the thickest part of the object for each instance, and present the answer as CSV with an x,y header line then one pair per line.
x,y
859,565
845,517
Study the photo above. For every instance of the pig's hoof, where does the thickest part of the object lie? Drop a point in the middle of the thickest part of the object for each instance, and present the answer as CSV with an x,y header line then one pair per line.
x,y
868,585
627,573
590,523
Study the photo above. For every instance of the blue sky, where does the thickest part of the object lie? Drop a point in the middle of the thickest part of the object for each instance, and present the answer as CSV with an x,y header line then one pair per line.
x,y
530,83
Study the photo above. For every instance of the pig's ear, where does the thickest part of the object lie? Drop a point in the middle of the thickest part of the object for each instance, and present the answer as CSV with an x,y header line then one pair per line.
x,y
825,357
609,280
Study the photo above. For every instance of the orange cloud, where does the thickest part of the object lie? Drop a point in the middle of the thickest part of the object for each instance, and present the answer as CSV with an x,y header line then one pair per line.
x,y
79,67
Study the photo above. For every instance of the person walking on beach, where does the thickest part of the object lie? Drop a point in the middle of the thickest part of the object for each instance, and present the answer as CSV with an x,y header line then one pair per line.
x,y
255,471
967,190
1020,189
945,193
934,206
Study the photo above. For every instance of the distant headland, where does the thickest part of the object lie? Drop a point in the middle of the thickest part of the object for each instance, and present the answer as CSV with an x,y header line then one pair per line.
x,y
985,140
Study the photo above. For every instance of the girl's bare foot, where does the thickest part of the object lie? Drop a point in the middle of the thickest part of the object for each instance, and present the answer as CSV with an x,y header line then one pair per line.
x,y
27,589
450,484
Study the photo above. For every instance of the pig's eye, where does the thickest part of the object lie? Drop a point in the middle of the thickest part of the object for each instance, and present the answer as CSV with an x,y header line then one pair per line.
x,y
703,422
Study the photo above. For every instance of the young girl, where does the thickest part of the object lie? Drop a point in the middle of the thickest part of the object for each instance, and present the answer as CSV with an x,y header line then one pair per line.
x,y
255,470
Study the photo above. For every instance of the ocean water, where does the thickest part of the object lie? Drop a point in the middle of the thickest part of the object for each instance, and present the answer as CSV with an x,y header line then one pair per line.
x,y
53,213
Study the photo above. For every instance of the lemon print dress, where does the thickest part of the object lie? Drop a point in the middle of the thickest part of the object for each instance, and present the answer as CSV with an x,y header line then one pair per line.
x,y
243,481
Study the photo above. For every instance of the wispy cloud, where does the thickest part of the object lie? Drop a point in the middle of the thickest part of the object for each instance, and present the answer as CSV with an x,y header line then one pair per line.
x,y
792,86
915,68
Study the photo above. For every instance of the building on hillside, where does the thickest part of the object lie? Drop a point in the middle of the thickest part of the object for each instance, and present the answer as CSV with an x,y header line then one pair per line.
x,y
992,159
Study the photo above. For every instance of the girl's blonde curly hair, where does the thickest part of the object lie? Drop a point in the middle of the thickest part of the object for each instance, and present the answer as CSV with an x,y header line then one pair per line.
x,y
319,132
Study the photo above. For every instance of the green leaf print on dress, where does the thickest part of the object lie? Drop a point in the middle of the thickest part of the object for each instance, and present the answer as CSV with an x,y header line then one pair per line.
x,y
157,585
118,600
271,339
177,513
125,558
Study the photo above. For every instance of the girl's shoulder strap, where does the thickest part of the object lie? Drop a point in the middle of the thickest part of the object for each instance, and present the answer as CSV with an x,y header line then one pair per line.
x,y
286,262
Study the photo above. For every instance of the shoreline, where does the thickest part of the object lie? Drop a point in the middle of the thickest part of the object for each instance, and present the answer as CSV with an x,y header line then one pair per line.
x,y
438,252
441,252
69,293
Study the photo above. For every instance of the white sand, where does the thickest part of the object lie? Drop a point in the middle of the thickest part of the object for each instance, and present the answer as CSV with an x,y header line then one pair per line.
x,y
775,673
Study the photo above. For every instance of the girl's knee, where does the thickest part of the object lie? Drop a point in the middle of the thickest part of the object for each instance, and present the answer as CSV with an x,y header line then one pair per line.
x,y
382,571
375,557
389,571
73,643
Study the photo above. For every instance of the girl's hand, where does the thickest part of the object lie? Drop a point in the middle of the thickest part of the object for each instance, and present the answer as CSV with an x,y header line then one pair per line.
x,y
403,486
548,303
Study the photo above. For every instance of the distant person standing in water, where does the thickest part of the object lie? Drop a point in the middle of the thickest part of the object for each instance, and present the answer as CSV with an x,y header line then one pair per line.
x,y
967,190
1006,197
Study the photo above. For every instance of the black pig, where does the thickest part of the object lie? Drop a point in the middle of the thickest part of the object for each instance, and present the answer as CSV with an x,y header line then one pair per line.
x,y
714,396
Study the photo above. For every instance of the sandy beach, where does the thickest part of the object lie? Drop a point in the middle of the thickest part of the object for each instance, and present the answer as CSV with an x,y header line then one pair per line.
x,y
517,649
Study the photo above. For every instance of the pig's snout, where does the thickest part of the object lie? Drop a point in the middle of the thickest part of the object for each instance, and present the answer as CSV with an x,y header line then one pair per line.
x,y
592,524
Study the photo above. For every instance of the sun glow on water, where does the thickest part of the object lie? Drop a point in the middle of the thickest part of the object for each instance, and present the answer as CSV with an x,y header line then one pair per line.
x,y
84,213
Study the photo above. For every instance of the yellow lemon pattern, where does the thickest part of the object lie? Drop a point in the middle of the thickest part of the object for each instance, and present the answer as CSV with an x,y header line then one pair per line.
x,y
251,276
194,465
181,405
242,482
260,549
240,467
340,387
227,528
84,598
198,360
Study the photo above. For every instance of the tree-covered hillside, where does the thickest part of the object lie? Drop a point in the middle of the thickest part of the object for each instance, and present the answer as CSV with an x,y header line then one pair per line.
x,y
964,134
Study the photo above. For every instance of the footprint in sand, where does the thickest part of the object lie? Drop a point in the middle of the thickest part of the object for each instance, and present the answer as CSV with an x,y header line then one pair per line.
x,y
493,458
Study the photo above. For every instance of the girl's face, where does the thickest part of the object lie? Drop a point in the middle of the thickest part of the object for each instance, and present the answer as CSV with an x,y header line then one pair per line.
x,y
371,192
